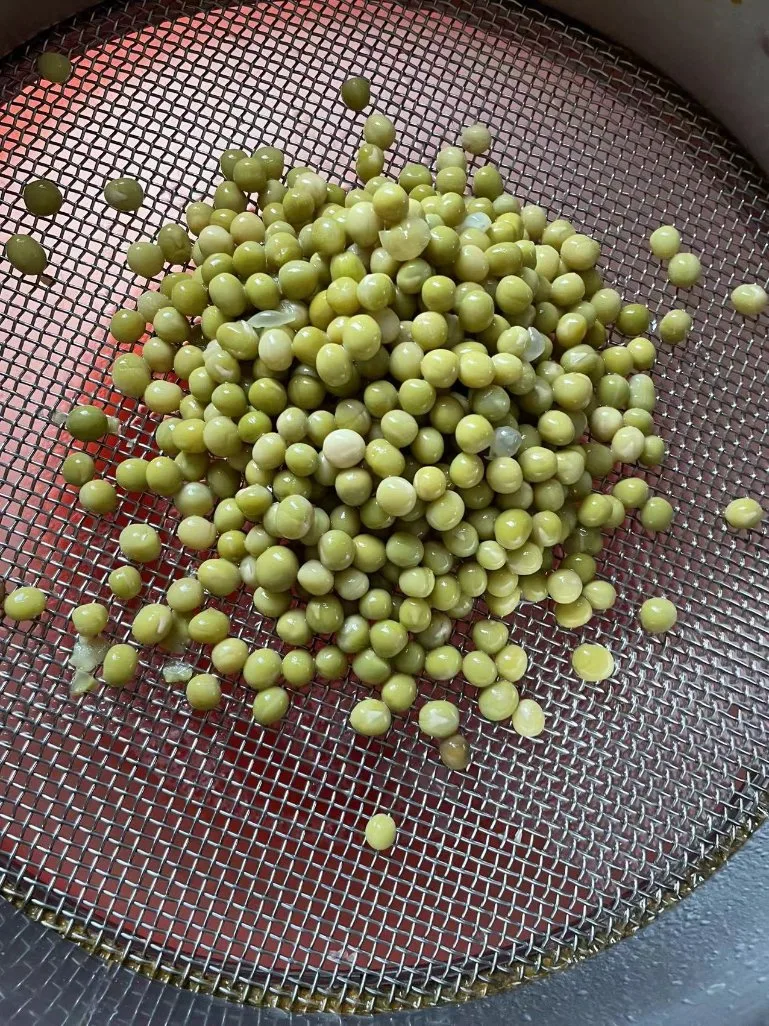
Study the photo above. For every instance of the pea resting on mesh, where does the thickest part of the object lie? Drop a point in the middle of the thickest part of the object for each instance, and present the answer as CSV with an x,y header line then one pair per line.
x,y
124,194
53,67
26,254
743,513
592,662
380,831
749,299
657,615
25,603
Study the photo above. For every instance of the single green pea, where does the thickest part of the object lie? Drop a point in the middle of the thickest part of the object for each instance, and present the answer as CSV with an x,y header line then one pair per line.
x,y
124,194
380,832
331,663
388,638
498,701
209,626
119,665
657,514
479,669
743,513
439,719
87,423
89,619
270,706
42,197
657,615
292,628
633,319
675,326
353,635
528,718
54,67
25,603
370,717
455,752
203,692
443,663
356,92
749,299
511,662
399,692
98,497
262,669
78,468
684,271
298,668
592,662
573,614
583,565
665,241
600,594
152,623
125,582
229,656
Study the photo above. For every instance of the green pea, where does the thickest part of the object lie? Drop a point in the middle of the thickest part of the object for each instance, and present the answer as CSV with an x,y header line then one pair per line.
x,y
743,513
119,665
98,497
262,669
89,619
152,623
270,706
356,92
443,663
684,271
573,614
657,615
749,299
78,468
331,663
479,669
675,326
439,719
657,514
370,717
665,241
498,701
203,692
633,320
209,626
292,628
124,194
298,668
25,603
600,594
125,582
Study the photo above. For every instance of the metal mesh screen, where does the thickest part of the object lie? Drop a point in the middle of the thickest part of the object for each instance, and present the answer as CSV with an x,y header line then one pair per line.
x,y
220,854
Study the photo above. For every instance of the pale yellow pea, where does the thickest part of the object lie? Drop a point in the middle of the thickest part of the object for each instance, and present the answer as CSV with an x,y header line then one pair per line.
x,y
380,831
592,662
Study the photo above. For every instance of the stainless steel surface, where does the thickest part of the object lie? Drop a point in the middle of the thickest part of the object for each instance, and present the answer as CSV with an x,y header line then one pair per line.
x,y
211,850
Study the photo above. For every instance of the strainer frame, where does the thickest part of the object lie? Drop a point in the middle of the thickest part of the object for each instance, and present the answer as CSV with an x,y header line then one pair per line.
x,y
753,813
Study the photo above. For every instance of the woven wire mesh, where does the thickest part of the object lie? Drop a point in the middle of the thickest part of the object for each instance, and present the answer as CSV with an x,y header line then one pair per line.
x,y
211,850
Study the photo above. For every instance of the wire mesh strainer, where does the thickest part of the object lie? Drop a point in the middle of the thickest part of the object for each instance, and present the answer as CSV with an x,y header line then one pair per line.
x,y
210,850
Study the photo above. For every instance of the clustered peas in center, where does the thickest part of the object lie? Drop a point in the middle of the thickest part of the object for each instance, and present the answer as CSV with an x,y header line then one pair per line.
x,y
382,406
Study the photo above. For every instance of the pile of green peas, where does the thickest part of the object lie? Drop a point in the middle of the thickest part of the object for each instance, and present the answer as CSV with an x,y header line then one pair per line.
x,y
383,407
